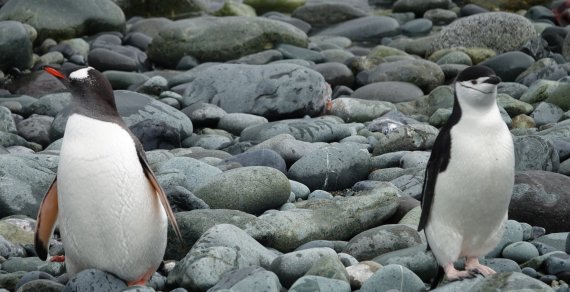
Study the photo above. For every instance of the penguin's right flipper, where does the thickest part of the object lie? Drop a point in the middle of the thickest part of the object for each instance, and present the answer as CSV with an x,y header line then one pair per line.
x,y
45,223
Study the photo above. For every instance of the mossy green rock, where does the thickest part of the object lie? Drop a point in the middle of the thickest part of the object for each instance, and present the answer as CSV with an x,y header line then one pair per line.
x,y
221,38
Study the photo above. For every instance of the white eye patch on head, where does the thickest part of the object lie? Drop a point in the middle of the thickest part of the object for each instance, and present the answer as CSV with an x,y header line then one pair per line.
x,y
80,74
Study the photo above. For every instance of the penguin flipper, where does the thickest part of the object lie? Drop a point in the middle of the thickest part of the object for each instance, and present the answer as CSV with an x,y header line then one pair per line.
x,y
160,193
45,223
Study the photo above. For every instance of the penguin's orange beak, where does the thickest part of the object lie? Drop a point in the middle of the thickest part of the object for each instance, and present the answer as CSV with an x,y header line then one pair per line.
x,y
54,72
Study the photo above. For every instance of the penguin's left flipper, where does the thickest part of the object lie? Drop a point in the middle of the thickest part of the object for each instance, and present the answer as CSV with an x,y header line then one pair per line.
x,y
159,191
45,223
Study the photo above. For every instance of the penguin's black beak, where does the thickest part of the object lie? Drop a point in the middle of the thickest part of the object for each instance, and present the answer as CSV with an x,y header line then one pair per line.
x,y
54,72
493,80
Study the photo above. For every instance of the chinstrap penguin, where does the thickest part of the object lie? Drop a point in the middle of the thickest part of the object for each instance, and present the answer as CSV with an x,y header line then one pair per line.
x,y
112,213
469,177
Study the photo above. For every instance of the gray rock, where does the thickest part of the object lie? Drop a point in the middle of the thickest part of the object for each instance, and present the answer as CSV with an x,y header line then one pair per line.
x,y
335,73
308,130
193,172
440,16
512,233
29,264
416,258
337,245
300,190
424,74
9,249
392,91
151,8
249,278
262,157
237,122
535,153
417,27
415,159
513,106
520,252
156,124
510,281
10,280
210,140
380,240
359,110
541,198
286,90
82,17
540,91
124,80
455,57
440,117
504,32
286,230
555,240
331,168
15,45
220,38
94,280
557,263
291,266
329,267
221,249
41,285
410,137
317,283
545,113
51,104
23,190
196,222
294,52
7,122
320,195
514,89
322,14
205,114
546,69
393,277
9,140
463,285
261,58
369,28
18,104
288,147
36,129
419,7
509,65
500,265
360,272
251,189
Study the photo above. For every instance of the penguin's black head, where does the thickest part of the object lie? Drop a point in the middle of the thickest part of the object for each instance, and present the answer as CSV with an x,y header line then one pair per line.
x,y
89,88
478,78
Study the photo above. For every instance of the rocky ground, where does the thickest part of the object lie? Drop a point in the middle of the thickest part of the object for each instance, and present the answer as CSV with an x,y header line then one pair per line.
x,y
291,136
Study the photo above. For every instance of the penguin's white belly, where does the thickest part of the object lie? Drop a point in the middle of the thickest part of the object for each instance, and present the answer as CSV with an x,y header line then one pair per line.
x,y
472,195
109,216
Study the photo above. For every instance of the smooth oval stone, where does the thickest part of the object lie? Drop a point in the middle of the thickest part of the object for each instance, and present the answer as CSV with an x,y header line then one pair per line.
x,y
318,283
254,278
512,281
419,7
369,28
262,157
416,258
335,74
331,168
324,14
294,52
546,113
504,32
520,252
424,74
546,69
540,198
15,46
36,129
359,110
380,240
509,65
535,153
392,91
235,123
298,23
456,57
291,266
393,277
440,16
308,130
194,172
204,114
92,279
252,189
417,27
220,38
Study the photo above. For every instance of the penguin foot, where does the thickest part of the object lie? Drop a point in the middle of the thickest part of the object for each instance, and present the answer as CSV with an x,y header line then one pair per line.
x,y
58,259
142,280
453,274
472,264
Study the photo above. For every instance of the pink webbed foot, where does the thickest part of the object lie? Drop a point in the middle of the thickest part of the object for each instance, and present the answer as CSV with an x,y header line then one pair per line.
x,y
453,274
472,264
59,259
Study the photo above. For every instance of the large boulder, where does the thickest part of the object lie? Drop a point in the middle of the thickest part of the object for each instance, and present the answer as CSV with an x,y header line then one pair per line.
x,y
15,46
499,31
220,38
279,90
65,19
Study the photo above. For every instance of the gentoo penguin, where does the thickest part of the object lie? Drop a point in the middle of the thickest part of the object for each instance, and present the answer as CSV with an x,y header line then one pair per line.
x,y
469,177
111,211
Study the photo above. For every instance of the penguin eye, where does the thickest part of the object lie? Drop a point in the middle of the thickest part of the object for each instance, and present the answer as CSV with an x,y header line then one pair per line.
x,y
473,82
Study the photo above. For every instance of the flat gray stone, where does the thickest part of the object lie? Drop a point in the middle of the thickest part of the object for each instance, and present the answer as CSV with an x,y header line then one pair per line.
x,y
382,239
359,110
317,283
510,281
193,171
288,147
391,91
291,266
535,153
249,278
393,277
416,258
369,28
308,130
331,168
15,45
424,74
